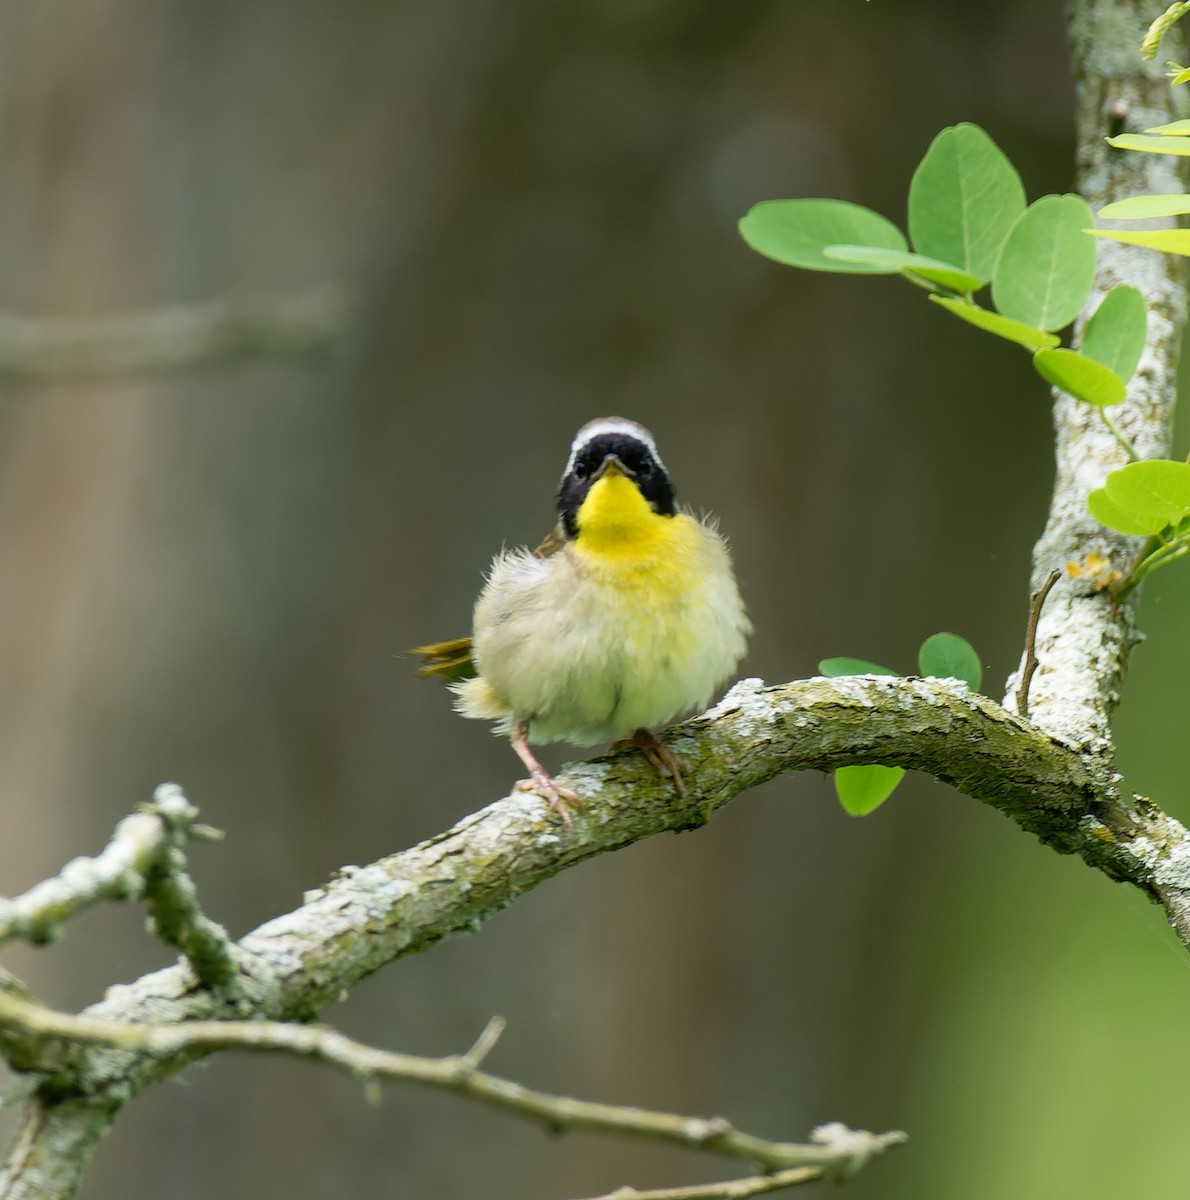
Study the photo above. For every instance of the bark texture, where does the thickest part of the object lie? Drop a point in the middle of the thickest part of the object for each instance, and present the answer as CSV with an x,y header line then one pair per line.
x,y
1083,639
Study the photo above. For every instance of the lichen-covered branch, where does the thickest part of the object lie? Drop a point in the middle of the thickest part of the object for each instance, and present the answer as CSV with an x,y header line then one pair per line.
x,y
1083,638
177,337
292,967
834,1149
730,1189
53,1146
171,901
852,1147
143,861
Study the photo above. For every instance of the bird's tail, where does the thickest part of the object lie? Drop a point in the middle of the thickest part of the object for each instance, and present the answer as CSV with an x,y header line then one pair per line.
x,y
449,661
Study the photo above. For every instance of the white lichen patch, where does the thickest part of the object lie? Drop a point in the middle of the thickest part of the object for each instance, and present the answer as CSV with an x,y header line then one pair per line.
x,y
750,705
859,690
854,689
936,692
746,696
1173,865
592,776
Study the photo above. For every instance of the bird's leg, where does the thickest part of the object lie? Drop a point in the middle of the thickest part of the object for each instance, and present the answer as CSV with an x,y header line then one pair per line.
x,y
662,759
539,780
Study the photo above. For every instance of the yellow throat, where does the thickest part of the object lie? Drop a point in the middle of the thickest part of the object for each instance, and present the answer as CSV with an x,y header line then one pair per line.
x,y
616,524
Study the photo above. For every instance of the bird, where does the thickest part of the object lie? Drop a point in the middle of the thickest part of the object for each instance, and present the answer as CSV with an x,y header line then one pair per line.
x,y
625,617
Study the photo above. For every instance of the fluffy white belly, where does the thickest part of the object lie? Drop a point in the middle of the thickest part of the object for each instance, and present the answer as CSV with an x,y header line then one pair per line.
x,y
623,650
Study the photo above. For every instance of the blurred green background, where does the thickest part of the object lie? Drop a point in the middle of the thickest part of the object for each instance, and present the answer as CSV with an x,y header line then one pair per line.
x,y
211,578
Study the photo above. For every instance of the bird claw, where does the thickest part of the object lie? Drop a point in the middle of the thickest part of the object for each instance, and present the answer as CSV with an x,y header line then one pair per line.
x,y
662,759
561,799
539,781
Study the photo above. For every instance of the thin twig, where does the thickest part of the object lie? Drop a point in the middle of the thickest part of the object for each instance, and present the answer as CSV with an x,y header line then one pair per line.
x,y
728,1189
1036,603
142,861
174,913
840,1150
118,872
484,1044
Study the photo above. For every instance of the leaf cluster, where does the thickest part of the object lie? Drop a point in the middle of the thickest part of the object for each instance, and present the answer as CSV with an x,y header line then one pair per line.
x,y
971,228
1150,499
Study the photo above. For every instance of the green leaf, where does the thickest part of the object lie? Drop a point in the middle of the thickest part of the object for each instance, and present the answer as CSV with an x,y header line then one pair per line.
x,y
1014,331
1178,75
946,274
1160,27
796,232
1172,129
1100,506
1172,241
1115,334
1080,376
964,198
1154,489
862,790
832,668
1141,208
948,656
1047,266
1150,144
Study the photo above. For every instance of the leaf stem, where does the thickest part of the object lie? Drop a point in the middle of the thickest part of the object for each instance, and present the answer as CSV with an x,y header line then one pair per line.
x,y
922,282
1159,558
1156,552
1114,430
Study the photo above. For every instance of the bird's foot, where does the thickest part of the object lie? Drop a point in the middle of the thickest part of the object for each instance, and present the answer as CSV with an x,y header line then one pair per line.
x,y
663,760
539,781
561,799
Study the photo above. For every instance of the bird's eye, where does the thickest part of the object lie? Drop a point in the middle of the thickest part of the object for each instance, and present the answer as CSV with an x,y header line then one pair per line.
x,y
646,467
582,468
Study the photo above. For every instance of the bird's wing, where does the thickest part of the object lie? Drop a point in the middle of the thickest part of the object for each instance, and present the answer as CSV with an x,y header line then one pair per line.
x,y
551,543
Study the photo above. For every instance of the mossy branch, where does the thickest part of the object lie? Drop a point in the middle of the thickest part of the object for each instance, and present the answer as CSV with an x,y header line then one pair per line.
x,y
292,967
834,1150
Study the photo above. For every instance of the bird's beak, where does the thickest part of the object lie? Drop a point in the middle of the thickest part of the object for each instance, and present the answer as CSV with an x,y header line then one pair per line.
x,y
614,466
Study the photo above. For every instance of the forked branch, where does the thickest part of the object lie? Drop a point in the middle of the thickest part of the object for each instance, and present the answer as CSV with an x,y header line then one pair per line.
x,y
834,1149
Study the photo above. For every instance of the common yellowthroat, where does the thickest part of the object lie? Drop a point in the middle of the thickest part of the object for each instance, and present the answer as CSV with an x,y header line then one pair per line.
x,y
625,617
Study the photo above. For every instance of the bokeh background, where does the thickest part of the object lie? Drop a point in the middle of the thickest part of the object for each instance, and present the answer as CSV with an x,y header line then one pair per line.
x,y
211,578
